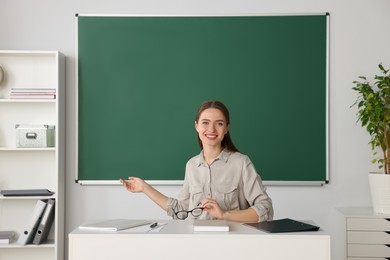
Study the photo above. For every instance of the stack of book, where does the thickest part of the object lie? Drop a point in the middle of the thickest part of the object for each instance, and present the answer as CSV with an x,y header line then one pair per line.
x,y
33,93
6,237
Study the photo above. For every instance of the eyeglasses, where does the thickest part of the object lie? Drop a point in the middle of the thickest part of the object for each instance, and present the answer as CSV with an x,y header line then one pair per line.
x,y
183,214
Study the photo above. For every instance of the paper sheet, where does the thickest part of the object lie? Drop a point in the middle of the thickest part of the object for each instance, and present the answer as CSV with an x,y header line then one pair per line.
x,y
145,229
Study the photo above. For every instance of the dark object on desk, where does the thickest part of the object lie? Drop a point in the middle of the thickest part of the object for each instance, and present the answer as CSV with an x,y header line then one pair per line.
x,y
33,192
283,225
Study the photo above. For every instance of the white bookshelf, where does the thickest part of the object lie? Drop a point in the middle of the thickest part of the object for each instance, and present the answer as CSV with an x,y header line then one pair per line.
x,y
32,168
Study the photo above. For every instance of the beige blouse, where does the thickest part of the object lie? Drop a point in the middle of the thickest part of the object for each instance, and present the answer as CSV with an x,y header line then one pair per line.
x,y
231,180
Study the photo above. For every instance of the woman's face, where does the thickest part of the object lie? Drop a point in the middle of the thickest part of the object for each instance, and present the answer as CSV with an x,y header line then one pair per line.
x,y
211,127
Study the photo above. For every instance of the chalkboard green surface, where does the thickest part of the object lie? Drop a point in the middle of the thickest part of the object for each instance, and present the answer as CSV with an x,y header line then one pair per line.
x,y
141,80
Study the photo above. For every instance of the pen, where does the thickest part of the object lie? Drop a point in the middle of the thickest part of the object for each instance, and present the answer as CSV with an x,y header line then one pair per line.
x,y
154,225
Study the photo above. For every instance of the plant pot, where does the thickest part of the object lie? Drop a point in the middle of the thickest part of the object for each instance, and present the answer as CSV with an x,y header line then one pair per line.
x,y
380,192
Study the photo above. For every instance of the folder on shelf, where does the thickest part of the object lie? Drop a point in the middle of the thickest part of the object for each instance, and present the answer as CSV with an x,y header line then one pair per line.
x,y
283,225
45,224
28,233
26,192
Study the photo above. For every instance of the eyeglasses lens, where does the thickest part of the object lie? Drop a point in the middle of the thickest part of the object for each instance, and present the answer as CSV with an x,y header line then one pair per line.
x,y
197,212
182,215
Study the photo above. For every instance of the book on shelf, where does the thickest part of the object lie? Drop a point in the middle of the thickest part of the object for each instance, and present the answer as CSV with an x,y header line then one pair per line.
x,y
45,224
33,93
28,233
33,90
32,96
6,237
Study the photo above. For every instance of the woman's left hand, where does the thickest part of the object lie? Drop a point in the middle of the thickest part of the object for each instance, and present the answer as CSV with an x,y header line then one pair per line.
x,y
212,207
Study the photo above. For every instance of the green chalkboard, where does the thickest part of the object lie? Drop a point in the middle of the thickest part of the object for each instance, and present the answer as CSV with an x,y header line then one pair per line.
x,y
140,81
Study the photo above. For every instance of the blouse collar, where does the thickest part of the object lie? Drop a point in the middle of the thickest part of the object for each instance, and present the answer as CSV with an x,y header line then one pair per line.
x,y
223,156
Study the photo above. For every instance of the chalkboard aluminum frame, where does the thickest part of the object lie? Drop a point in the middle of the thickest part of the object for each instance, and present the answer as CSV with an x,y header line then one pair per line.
x,y
180,182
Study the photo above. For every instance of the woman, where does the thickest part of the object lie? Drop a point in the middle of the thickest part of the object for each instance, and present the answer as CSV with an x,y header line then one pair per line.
x,y
220,182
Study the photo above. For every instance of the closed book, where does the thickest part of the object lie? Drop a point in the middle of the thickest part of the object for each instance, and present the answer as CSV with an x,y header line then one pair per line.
x,y
45,224
6,237
33,90
32,96
211,225
5,241
114,224
29,231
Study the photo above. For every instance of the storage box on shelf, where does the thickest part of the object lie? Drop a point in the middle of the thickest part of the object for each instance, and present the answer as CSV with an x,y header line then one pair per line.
x,y
31,167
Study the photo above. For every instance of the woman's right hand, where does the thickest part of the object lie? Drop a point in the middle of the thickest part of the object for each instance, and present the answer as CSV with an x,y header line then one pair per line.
x,y
134,184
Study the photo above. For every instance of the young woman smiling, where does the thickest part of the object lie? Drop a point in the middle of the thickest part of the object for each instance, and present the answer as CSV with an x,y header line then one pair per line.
x,y
220,182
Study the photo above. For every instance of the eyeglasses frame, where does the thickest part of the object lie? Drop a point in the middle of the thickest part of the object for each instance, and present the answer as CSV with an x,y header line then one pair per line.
x,y
188,211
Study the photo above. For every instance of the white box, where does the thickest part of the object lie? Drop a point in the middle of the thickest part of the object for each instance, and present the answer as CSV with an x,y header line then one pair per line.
x,y
35,135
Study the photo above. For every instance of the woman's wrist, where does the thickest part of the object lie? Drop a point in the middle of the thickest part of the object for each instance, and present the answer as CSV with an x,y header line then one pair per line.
x,y
246,215
146,187
225,215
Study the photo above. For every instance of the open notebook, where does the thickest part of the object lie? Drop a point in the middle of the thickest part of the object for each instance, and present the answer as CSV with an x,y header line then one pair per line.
x,y
114,224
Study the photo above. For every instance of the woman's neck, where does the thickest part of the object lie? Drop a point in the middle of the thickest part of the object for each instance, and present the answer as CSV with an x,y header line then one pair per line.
x,y
211,153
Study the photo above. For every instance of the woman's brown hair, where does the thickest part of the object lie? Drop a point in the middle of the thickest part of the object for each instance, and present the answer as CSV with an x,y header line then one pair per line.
x,y
227,142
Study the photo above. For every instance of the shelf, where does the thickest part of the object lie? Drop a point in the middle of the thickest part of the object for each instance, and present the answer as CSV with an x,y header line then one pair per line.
x,y
32,167
16,149
14,244
8,100
27,197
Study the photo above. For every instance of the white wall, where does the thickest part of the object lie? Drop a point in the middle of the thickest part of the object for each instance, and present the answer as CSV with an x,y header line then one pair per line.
x,y
359,41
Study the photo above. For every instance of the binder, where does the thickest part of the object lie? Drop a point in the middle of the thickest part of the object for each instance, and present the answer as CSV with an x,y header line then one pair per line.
x,y
45,224
283,225
28,233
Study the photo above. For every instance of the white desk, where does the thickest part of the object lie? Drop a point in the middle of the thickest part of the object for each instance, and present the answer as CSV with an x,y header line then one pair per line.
x,y
177,241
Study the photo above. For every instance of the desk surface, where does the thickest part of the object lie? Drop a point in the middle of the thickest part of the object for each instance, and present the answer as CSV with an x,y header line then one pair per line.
x,y
178,241
176,227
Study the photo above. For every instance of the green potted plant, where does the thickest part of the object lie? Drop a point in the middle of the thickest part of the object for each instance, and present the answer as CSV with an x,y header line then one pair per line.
x,y
373,104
